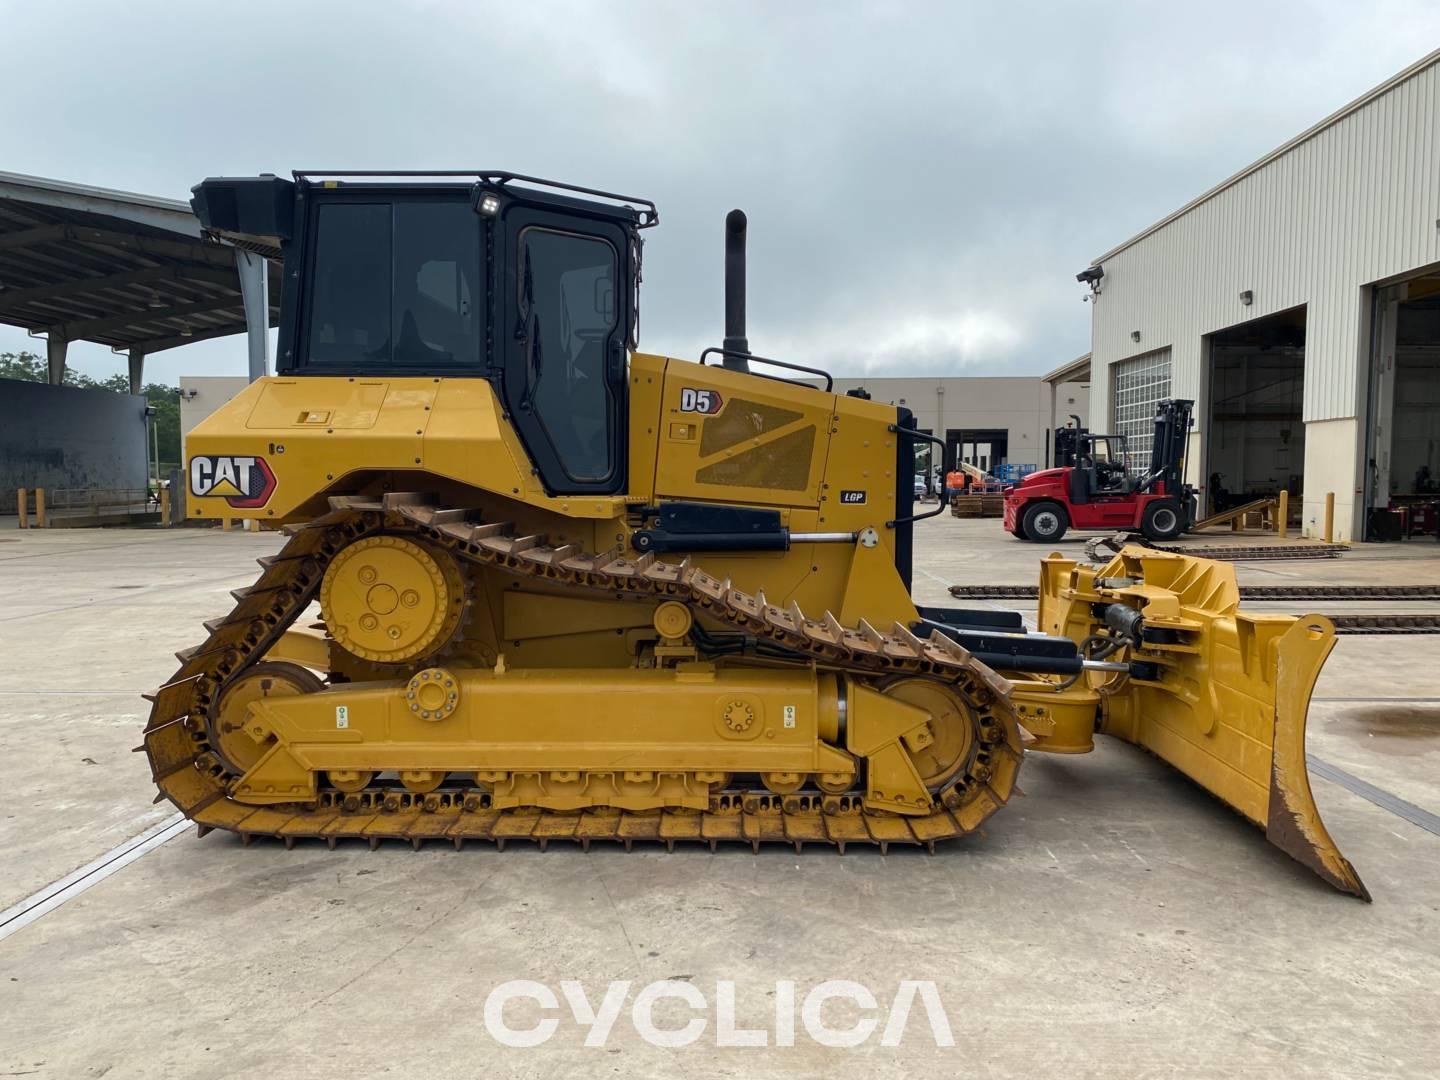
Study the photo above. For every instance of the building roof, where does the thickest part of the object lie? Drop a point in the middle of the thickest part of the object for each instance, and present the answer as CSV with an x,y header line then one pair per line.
x,y
125,270
1305,136
1077,370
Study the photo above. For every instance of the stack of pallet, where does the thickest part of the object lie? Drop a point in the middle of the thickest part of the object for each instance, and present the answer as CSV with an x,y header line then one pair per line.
x,y
965,506
977,506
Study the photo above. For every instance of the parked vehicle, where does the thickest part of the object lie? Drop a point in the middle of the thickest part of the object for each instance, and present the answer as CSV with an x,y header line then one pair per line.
x,y
1099,491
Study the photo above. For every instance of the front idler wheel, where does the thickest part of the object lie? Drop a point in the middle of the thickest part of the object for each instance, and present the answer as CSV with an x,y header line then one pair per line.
x,y
952,727
270,679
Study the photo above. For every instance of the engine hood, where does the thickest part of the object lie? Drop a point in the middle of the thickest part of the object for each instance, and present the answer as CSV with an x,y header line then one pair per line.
x,y
1044,476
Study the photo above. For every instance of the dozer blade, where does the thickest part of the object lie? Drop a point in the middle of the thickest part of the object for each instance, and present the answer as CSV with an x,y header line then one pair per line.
x,y
1228,701
1292,820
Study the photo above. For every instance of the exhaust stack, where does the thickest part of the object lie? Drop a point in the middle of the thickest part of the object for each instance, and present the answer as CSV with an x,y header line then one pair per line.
x,y
735,339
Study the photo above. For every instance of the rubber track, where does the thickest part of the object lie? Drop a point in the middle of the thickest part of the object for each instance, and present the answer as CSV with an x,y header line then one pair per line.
x,y
1254,552
192,776
1387,624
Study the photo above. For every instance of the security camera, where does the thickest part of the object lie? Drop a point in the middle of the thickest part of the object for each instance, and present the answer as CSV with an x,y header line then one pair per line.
x,y
1090,275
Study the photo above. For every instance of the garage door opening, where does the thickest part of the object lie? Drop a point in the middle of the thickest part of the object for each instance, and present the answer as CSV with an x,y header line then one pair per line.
x,y
986,449
1404,460
1256,431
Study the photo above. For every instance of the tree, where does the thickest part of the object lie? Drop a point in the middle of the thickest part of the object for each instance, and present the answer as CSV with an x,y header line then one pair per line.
x,y
25,366
29,367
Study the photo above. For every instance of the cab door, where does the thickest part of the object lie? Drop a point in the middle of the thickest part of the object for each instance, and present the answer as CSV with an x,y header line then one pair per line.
x,y
562,313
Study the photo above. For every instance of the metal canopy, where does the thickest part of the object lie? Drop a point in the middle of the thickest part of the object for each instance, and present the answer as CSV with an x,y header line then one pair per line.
x,y
129,271
1077,370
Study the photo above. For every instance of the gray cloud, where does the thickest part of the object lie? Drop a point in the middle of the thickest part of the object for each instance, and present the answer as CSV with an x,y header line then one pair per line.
x,y
923,180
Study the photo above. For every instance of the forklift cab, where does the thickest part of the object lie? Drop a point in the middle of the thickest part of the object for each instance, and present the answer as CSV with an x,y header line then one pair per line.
x,y
1099,468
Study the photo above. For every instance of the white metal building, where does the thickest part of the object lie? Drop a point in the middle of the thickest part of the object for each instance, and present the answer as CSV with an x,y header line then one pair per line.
x,y
1298,303
987,420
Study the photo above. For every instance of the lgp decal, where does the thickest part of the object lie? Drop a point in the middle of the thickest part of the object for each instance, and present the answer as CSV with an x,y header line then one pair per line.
x,y
706,402
240,481
852,498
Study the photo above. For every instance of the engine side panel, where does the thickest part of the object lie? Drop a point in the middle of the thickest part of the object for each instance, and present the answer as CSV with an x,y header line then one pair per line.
x,y
729,437
308,434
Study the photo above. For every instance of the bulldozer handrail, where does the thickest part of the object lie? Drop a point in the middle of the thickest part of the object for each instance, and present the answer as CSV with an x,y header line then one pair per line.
x,y
941,503
649,213
829,379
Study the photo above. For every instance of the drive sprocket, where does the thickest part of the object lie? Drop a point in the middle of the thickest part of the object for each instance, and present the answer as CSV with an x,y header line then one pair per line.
x,y
390,599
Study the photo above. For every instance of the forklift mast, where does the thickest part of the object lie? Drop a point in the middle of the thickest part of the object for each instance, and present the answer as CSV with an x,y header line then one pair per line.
x,y
1167,453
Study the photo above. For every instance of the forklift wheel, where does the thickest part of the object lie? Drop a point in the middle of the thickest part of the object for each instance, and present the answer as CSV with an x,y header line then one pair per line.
x,y
1044,522
1163,520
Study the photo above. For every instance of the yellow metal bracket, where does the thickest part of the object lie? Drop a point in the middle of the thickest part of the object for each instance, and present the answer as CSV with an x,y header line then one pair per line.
x,y
877,729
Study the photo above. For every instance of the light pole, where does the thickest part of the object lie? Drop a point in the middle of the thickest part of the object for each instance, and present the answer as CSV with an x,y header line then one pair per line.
x,y
944,438
152,434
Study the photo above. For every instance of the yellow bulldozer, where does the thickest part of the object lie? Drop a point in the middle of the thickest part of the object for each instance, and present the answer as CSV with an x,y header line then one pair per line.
x,y
541,586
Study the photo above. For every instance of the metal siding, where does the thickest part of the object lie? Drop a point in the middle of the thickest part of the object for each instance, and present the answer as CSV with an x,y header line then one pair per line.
x,y
1355,203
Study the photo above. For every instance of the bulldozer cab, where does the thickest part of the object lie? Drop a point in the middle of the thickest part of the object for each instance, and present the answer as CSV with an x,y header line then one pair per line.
x,y
529,284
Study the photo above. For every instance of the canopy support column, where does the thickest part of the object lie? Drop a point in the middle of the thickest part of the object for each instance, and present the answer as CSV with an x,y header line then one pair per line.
x,y
137,370
255,289
56,348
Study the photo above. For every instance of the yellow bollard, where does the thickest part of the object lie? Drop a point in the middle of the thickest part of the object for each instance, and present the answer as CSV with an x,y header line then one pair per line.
x,y
1330,517
225,524
40,507
24,509
1282,515
165,507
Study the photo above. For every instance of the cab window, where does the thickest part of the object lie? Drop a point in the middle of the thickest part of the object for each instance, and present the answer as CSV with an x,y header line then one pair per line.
x,y
1107,458
393,284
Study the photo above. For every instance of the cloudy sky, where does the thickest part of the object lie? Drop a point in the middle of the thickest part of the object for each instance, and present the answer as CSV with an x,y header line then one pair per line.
x,y
923,181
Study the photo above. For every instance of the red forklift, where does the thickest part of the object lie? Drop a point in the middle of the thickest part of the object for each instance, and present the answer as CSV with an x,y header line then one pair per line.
x,y
1093,488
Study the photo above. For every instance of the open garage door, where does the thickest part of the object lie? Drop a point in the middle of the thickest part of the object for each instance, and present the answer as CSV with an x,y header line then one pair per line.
x,y
987,448
1256,441
1404,446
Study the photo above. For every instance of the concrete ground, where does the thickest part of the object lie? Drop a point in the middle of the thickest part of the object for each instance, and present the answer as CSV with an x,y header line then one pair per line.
x,y
1116,921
